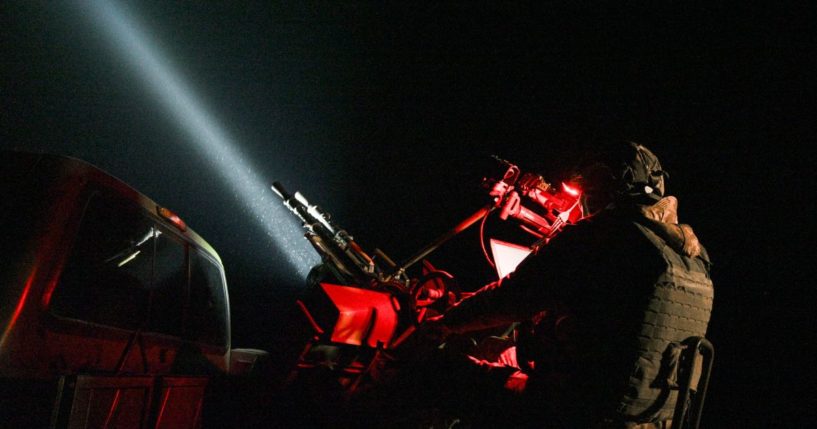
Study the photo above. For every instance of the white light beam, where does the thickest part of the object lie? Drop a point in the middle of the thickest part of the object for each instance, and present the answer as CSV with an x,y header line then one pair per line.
x,y
210,138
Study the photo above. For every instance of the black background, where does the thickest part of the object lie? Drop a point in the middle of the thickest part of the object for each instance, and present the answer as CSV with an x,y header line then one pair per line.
x,y
387,114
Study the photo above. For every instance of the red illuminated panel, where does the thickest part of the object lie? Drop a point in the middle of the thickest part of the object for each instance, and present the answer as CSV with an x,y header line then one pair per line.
x,y
365,317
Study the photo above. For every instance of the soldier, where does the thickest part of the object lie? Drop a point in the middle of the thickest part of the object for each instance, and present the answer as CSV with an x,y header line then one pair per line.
x,y
613,297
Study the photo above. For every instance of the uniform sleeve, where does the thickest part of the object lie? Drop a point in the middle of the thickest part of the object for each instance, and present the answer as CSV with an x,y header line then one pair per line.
x,y
538,282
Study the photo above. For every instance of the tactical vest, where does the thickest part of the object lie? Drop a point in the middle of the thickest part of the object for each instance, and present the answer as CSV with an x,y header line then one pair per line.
x,y
679,307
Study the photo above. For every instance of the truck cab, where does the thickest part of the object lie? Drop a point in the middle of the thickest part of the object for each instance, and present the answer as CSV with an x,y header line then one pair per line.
x,y
113,312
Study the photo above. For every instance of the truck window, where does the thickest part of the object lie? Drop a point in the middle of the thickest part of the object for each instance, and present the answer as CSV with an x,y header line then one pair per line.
x,y
169,285
107,276
21,204
208,306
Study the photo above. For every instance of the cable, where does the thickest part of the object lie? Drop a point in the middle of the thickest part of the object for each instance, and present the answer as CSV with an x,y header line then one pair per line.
x,y
482,241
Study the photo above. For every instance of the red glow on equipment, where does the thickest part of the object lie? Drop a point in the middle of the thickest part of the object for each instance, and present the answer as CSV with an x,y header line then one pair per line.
x,y
556,207
19,309
571,190
365,317
49,291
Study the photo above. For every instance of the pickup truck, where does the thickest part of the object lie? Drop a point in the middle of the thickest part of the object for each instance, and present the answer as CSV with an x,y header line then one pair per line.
x,y
113,312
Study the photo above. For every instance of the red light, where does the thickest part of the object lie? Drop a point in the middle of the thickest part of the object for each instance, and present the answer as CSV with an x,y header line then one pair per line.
x,y
571,190
172,218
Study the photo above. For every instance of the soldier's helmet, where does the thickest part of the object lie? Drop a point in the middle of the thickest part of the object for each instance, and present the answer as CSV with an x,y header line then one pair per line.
x,y
622,172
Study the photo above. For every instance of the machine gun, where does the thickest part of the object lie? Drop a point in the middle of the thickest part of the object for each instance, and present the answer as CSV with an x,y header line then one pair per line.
x,y
360,307
340,253
540,208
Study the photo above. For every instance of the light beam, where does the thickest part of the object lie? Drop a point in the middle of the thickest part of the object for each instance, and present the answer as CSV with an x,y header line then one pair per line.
x,y
210,139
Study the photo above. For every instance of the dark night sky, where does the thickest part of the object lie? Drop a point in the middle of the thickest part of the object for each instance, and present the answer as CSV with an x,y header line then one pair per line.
x,y
386,115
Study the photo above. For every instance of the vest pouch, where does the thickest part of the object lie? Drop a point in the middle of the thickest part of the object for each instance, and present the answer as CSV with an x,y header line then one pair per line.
x,y
675,361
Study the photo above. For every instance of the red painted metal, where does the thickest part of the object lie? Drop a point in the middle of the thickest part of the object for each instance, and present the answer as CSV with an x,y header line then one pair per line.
x,y
365,317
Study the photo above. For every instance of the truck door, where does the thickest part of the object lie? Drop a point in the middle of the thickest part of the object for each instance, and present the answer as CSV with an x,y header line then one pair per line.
x,y
118,317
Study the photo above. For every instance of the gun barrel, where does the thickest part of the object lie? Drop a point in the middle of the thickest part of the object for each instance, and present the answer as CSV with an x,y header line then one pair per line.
x,y
328,239
279,190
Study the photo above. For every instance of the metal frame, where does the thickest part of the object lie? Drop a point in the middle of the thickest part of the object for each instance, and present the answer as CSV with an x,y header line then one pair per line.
x,y
688,411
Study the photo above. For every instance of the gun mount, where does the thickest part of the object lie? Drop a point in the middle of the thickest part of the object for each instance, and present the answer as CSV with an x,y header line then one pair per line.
x,y
361,308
